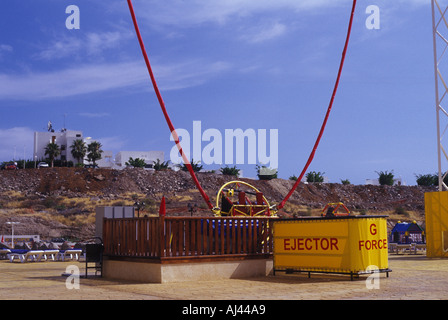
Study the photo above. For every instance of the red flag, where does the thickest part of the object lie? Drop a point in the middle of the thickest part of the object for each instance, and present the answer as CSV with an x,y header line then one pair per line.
x,y
162,210
2,239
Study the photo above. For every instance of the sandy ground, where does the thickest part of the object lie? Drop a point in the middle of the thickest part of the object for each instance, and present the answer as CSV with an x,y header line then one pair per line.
x,y
413,277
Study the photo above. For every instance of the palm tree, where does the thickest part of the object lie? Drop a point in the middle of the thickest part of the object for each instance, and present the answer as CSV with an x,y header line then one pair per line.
x,y
79,149
195,166
52,150
94,152
157,165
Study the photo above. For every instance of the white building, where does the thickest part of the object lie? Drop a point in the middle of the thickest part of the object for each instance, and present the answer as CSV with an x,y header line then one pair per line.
x,y
149,156
64,139
106,161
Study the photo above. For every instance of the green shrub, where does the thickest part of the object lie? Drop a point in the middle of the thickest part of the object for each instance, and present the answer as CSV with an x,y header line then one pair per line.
x,y
51,202
314,176
160,165
385,178
430,179
136,163
265,173
195,165
230,171
401,211
427,179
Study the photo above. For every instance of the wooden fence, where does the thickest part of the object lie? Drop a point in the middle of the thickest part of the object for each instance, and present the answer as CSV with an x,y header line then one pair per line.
x,y
188,238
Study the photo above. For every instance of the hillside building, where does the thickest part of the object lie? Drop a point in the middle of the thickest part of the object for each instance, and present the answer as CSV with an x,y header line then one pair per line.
x,y
64,139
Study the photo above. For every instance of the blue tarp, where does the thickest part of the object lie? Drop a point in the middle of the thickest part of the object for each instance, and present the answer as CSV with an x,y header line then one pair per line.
x,y
405,232
403,227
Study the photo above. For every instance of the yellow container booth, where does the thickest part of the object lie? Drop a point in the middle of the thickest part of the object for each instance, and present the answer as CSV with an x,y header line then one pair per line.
x,y
353,245
436,213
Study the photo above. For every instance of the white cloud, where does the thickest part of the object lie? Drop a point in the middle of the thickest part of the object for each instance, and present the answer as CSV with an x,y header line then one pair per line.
x,y
114,143
4,48
191,13
91,44
69,82
97,42
93,78
14,141
189,74
414,2
60,49
194,12
94,115
264,33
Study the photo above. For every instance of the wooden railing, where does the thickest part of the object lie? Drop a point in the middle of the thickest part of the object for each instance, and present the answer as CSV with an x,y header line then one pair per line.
x,y
188,238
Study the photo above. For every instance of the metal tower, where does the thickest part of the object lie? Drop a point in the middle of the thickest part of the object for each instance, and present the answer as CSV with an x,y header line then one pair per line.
x,y
440,40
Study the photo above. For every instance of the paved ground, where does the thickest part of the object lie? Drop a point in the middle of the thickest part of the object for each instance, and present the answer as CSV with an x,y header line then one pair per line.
x,y
413,277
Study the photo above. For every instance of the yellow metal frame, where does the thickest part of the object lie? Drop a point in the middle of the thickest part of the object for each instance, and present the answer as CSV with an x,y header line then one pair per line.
x,y
237,209
337,205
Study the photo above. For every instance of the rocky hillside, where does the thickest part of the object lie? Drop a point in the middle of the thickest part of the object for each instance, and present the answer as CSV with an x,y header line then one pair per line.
x,y
57,202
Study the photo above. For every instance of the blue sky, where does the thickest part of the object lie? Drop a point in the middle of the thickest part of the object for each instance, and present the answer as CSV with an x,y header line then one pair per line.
x,y
230,64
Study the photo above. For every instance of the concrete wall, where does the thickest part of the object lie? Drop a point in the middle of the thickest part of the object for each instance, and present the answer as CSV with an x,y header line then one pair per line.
x,y
163,273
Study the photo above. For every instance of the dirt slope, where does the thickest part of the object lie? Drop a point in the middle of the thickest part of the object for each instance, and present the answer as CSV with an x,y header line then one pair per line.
x,y
61,201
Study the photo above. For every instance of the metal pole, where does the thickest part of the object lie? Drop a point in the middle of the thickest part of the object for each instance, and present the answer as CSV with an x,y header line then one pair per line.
x,y
436,69
12,232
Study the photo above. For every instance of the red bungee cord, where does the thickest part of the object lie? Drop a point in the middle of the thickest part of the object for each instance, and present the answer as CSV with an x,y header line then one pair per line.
x,y
176,138
165,113
321,132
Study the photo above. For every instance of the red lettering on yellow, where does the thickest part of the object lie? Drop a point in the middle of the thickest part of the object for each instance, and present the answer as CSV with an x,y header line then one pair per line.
x,y
306,244
294,241
309,244
300,244
334,244
373,230
324,243
286,244
316,243
372,244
